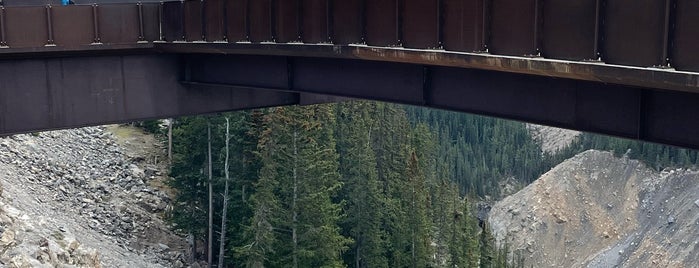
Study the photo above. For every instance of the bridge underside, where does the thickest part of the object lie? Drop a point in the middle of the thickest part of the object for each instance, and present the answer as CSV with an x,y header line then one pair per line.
x,y
661,116
54,93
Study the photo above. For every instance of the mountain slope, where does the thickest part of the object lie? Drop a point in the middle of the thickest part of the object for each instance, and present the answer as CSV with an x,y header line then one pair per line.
x,y
596,210
77,197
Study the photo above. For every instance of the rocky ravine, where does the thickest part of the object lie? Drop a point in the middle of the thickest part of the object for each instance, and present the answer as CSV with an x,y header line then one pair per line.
x,y
596,210
79,198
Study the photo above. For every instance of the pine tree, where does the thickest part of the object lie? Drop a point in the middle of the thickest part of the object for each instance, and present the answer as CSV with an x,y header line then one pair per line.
x,y
189,178
299,161
361,188
415,204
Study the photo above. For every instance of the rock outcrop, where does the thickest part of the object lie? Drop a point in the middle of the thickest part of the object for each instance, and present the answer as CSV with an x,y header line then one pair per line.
x,y
597,210
78,198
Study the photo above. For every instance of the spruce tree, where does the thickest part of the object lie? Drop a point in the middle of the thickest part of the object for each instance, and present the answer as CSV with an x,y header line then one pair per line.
x,y
299,163
361,187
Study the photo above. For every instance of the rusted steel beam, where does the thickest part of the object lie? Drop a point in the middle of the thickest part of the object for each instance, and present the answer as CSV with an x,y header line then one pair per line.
x,y
551,68
76,92
632,112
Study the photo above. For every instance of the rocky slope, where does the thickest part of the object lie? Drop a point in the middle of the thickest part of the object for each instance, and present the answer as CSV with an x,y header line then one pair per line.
x,y
596,210
552,139
82,198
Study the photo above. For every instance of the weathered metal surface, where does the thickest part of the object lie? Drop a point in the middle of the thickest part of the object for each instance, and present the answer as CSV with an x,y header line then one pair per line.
x,y
570,29
75,92
671,118
421,22
214,20
193,10
13,3
314,21
72,25
118,24
464,27
260,20
635,32
352,78
347,21
632,112
587,71
287,21
239,70
151,21
382,23
172,21
686,36
237,20
514,27
33,32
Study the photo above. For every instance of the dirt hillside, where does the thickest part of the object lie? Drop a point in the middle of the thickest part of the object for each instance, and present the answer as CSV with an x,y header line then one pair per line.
x,y
597,210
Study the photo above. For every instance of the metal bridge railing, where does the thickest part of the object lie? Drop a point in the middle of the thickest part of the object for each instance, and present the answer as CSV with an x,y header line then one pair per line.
x,y
645,33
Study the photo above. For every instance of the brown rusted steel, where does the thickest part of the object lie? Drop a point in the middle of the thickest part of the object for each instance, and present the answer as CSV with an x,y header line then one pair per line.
x,y
314,21
347,21
464,25
193,20
287,20
120,23
151,21
686,36
237,20
421,23
514,27
260,20
214,20
382,23
634,32
569,28
33,32
173,21
68,24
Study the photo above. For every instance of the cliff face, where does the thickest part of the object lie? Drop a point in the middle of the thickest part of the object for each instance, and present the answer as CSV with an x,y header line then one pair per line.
x,y
597,210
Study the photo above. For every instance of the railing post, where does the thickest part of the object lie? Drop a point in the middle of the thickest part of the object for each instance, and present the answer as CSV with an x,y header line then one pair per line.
x,y
202,12
3,41
141,36
161,38
95,24
666,35
49,25
184,23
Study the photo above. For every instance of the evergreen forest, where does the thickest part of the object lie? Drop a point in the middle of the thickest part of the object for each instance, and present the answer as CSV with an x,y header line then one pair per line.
x,y
357,184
